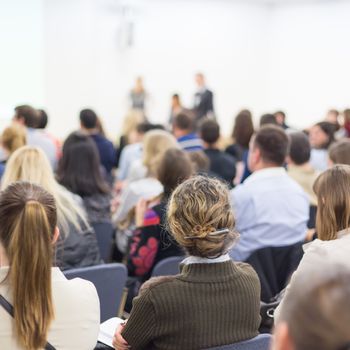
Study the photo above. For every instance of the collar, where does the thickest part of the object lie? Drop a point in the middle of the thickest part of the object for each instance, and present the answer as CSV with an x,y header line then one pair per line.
x,y
198,260
266,173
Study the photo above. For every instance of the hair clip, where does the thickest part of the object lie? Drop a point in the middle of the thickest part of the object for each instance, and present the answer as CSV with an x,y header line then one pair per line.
x,y
215,233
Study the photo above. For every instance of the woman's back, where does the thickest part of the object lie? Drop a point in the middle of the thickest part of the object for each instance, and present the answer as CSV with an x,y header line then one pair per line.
x,y
76,322
210,304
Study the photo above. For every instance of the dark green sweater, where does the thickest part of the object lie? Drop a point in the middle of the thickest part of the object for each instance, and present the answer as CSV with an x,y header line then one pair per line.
x,y
206,305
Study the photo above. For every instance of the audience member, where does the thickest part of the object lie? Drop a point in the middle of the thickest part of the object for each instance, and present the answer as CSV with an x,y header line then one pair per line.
x,y
138,95
155,144
48,310
332,188
88,124
268,119
317,312
299,167
332,117
77,245
339,152
151,241
12,138
222,164
42,124
80,157
242,132
280,117
201,162
183,130
346,124
29,118
203,99
211,292
271,209
321,137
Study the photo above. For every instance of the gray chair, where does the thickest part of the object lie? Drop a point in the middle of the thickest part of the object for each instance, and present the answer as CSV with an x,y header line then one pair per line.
x,y
261,342
109,281
104,235
167,266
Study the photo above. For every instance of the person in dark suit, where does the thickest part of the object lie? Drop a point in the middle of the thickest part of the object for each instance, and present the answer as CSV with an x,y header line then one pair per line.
x,y
203,99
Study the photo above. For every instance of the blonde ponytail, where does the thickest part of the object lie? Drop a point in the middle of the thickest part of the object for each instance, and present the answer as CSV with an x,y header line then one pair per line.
x,y
28,244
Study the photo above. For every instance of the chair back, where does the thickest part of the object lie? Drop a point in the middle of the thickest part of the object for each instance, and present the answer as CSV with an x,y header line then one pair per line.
x,y
261,342
109,281
104,235
168,266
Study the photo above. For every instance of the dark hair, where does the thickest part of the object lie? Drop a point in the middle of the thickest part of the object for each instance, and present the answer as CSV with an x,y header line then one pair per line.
x,y
88,118
174,168
184,121
339,152
210,131
299,149
268,119
28,114
144,127
329,129
243,128
42,120
282,114
272,142
79,168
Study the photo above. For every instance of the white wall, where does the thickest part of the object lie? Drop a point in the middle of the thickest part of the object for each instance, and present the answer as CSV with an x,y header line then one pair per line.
x,y
22,55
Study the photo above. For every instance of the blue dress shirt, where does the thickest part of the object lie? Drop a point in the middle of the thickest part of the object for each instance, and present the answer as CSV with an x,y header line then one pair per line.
x,y
271,210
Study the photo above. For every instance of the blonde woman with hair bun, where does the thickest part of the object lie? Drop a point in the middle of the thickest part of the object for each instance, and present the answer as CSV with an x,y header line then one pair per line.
x,y
12,138
77,245
213,301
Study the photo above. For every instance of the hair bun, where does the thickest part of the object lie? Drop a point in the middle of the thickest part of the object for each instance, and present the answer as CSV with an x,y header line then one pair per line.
x,y
200,231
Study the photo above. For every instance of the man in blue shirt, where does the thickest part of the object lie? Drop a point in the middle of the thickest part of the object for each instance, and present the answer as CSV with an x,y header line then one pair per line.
x,y
88,124
183,130
271,209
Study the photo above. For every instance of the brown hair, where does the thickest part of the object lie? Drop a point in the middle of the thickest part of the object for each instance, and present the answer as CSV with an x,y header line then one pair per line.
x,y
273,143
175,167
29,115
317,311
332,188
184,121
243,128
13,137
346,115
28,220
339,152
197,208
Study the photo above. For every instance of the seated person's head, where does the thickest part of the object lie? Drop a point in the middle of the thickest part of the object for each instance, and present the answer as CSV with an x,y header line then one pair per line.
x,y
88,119
200,217
299,148
280,117
332,189
316,314
321,135
268,119
155,144
27,116
339,152
210,132
174,168
268,148
200,161
12,138
42,119
332,116
183,124
27,233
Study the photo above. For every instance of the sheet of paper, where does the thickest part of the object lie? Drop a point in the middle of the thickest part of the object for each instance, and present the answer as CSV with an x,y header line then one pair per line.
x,y
107,330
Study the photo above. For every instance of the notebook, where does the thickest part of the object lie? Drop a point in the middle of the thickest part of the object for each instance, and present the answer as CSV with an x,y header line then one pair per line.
x,y
107,330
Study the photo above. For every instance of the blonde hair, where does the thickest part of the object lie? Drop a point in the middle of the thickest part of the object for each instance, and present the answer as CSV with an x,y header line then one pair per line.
x,y
197,209
13,137
28,220
332,189
133,118
155,144
31,164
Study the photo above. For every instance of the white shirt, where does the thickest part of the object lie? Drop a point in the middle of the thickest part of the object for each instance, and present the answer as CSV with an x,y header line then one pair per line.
x,y
199,260
271,210
77,314
317,253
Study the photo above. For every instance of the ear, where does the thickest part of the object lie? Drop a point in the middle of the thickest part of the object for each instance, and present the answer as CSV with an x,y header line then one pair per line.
x,y
56,234
282,339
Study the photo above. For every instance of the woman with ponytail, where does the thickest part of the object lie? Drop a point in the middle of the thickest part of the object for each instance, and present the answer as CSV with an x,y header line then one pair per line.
x,y
39,307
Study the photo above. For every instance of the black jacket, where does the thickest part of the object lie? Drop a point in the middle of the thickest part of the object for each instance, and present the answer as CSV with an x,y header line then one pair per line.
x,y
204,104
